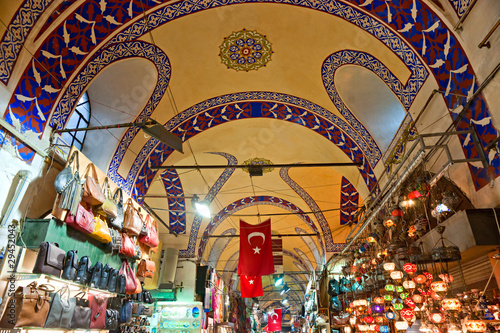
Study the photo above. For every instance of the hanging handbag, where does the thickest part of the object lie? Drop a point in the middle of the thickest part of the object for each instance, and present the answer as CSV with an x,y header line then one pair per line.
x,y
106,271
95,275
108,208
82,313
135,309
28,307
70,265
146,268
117,222
128,246
92,191
50,259
132,221
101,231
131,283
148,312
112,319
121,284
61,309
83,220
68,185
112,280
147,297
138,287
140,296
116,241
126,312
151,237
98,307
138,253
83,270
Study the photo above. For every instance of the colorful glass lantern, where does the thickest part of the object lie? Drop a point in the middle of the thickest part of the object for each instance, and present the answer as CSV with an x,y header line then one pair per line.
x,y
399,289
435,296
380,320
378,300
396,275
390,287
439,287
397,212
409,284
407,314
388,297
389,266
420,279
410,303
390,315
401,325
448,278
353,320
404,296
363,328
477,326
437,317
398,306
377,308
417,298
389,223
368,319
410,268
384,329
360,303
414,195
451,304
428,276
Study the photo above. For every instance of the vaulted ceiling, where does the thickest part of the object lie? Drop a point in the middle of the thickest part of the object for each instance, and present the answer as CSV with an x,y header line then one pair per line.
x,y
279,82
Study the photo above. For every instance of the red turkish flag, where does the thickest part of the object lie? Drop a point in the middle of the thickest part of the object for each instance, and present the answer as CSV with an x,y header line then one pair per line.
x,y
266,329
251,286
274,320
256,252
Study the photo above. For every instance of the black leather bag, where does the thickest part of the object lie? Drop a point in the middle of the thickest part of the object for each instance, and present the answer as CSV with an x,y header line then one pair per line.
x,y
112,280
50,259
103,284
83,271
116,241
82,313
95,276
115,303
126,312
117,222
112,319
70,265
120,284
147,297
61,309
140,296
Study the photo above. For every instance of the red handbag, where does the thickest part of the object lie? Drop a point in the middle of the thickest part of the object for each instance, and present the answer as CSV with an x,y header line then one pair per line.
x,y
128,246
146,268
130,281
92,191
83,221
151,237
132,221
98,308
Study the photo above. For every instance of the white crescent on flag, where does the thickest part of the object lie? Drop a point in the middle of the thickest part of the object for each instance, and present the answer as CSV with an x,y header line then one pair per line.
x,y
255,234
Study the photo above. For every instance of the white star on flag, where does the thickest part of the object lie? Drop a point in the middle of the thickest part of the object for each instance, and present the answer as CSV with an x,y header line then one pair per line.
x,y
250,281
256,250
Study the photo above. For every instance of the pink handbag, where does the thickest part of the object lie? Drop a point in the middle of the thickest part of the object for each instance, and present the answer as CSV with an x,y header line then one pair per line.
x,y
151,237
83,221
131,282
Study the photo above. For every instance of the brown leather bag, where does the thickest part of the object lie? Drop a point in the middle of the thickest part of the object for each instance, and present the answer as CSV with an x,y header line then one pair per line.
x,y
50,259
92,191
28,308
132,222
146,268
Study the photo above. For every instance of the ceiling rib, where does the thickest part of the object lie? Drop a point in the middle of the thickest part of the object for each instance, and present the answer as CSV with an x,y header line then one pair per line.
x,y
243,166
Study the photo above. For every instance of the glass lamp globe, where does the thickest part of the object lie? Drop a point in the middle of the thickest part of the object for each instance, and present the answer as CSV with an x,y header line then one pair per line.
x,y
439,287
352,320
410,268
407,314
451,304
409,284
363,328
437,317
390,287
388,297
384,329
401,325
378,300
389,266
417,298
477,326
420,279
397,275
390,315
399,289
368,319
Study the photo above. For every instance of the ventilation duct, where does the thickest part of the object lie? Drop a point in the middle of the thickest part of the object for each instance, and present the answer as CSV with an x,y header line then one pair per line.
x,y
168,269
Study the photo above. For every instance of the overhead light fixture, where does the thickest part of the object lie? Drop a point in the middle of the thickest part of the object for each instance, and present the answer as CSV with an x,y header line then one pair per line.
x,y
284,301
161,134
202,207
278,280
285,289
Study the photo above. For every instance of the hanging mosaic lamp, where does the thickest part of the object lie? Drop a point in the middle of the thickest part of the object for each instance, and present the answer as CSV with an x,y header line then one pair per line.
x,y
477,326
390,315
420,279
401,325
368,319
448,278
389,266
439,287
384,329
410,268
377,308
397,276
451,304
388,297
378,300
407,314
409,285
399,288
437,317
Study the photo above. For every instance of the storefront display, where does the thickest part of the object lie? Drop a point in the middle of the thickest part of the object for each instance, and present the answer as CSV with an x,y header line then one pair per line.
x,y
175,317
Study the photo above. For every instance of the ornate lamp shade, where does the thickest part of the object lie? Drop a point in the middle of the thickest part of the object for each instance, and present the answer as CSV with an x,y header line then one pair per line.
x,y
380,320
417,298
398,306
428,276
390,287
347,329
451,304
389,266
404,296
420,279
396,275
437,317
378,300
410,268
368,319
363,328
388,297
360,303
410,303
378,308
409,284
436,296
407,314
439,287
353,320
401,325
384,329
448,278
475,326
390,315
399,289
389,223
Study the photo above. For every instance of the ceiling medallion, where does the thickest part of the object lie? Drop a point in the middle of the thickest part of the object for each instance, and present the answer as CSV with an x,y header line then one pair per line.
x,y
258,161
245,50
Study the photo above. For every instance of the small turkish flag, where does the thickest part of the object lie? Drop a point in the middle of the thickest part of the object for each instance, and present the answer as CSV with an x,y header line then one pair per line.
x,y
274,320
256,252
266,329
251,286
